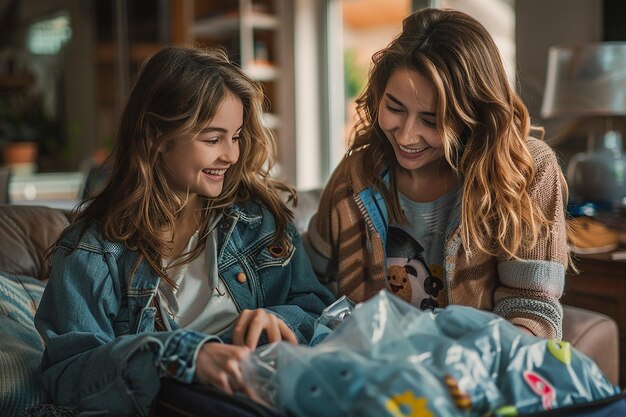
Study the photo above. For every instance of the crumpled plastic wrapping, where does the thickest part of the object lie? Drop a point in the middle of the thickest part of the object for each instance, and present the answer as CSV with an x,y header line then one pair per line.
x,y
385,357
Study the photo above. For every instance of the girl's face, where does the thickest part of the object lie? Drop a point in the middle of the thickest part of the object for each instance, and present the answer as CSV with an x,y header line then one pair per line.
x,y
407,115
200,165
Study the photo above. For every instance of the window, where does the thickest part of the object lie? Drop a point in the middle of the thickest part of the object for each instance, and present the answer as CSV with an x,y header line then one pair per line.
x,y
365,26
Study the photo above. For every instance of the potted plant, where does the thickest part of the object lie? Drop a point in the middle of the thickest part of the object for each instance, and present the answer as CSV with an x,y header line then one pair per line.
x,y
24,124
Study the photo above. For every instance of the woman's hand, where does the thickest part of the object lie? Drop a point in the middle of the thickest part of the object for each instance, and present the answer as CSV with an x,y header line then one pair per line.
x,y
251,323
220,365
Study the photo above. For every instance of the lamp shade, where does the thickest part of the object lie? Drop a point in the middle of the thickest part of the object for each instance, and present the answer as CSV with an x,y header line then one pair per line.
x,y
586,80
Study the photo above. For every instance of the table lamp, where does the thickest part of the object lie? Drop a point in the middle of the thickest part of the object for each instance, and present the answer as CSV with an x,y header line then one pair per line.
x,y
589,81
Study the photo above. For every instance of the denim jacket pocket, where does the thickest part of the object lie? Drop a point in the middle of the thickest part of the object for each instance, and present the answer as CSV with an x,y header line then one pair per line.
x,y
121,327
145,323
121,324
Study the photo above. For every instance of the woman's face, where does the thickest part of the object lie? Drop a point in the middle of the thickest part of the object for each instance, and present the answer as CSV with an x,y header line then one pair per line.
x,y
407,113
201,164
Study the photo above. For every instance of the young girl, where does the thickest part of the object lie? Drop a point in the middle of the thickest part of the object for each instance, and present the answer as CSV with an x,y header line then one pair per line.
x,y
443,197
187,246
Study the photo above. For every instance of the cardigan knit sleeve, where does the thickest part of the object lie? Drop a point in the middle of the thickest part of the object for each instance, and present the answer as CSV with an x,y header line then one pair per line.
x,y
532,285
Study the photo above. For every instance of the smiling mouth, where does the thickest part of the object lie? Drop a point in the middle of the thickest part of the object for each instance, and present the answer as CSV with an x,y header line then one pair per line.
x,y
217,172
411,150
396,288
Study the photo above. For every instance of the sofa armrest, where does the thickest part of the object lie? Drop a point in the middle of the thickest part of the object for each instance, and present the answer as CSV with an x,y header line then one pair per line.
x,y
596,335
26,233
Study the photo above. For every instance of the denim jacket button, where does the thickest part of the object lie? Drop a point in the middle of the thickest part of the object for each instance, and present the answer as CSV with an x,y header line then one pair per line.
x,y
241,277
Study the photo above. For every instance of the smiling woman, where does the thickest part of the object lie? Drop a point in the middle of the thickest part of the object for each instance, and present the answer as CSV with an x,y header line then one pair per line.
x,y
443,151
188,251
408,118
196,167
368,25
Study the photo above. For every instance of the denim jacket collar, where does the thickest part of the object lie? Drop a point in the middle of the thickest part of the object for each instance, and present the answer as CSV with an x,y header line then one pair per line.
x,y
145,281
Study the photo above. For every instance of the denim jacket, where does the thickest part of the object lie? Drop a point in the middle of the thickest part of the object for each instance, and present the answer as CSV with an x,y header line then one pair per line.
x,y
102,350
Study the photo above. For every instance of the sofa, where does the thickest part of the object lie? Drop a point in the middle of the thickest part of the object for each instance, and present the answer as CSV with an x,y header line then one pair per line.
x,y
26,233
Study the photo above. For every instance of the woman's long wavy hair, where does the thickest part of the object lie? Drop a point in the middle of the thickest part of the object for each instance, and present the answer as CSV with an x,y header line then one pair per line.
x,y
176,94
483,123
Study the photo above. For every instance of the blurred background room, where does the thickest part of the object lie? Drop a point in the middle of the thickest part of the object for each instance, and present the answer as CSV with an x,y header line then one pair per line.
x,y
66,65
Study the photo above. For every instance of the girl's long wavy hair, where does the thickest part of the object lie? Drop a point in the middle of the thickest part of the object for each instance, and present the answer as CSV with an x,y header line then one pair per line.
x,y
483,123
176,94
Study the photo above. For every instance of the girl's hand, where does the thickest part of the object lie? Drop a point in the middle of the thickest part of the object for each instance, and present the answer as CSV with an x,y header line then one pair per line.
x,y
220,365
251,323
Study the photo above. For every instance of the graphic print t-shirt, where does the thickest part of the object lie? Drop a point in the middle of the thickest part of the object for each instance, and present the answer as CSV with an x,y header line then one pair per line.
x,y
415,256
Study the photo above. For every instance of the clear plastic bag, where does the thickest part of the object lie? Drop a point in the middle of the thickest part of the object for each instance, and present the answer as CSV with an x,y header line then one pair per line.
x,y
386,358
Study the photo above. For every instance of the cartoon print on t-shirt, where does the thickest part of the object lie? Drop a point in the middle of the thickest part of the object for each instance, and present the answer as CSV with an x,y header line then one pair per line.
x,y
399,281
408,277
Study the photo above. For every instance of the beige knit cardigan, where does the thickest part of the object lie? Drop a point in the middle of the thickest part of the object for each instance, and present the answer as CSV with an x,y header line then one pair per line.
x,y
348,255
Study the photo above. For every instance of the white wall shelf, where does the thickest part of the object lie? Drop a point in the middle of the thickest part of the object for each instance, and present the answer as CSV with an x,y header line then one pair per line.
x,y
231,22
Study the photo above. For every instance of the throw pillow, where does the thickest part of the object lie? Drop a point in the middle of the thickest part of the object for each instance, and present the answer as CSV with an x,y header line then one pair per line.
x,y
21,346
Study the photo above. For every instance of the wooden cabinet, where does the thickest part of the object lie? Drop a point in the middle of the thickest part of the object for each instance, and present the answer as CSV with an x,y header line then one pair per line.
x,y
601,286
